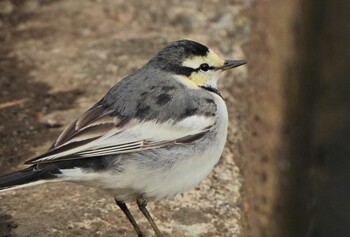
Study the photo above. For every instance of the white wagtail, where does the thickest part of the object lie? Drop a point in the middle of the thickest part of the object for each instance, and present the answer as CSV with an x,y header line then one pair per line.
x,y
156,133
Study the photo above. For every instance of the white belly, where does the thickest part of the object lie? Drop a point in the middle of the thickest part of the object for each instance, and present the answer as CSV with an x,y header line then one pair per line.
x,y
190,171
188,165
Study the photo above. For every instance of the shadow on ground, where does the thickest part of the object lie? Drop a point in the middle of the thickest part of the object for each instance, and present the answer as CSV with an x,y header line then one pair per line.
x,y
23,102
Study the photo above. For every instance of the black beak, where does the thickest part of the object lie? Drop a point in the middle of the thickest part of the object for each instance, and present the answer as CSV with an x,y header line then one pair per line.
x,y
228,64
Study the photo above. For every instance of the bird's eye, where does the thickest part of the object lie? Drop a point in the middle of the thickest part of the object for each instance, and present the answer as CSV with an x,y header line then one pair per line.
x,y
204,67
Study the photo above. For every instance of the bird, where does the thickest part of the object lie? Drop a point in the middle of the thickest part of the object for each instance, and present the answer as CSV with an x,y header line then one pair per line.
x,y
155,134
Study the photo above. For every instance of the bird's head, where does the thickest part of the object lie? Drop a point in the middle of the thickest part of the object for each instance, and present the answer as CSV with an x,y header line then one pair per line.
x,y
192,63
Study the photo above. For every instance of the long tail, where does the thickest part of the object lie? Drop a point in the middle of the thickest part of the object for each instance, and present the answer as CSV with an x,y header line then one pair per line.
x,y
28,177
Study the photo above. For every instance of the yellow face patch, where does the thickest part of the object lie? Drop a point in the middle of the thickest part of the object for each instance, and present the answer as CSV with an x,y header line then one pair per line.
x,y
200,78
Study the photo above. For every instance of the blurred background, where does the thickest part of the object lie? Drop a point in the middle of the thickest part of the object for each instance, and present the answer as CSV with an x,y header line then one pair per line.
x,y
285,168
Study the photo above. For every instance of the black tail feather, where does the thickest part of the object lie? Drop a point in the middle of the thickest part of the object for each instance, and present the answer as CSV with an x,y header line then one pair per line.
x,y
28,175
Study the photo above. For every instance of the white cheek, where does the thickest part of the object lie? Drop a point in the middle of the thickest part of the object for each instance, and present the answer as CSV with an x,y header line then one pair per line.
x,y
212,79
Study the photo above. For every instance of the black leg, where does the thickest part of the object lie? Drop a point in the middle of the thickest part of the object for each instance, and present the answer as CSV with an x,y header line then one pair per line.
x,y
126,211
142,206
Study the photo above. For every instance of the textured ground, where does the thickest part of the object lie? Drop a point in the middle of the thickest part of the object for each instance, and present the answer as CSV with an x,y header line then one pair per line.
x,y
58,57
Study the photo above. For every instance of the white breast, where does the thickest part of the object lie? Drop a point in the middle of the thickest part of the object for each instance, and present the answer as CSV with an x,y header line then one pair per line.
x,y
188,172
173,170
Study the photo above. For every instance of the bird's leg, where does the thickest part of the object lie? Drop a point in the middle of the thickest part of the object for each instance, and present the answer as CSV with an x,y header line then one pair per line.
x,y
142,203
126,211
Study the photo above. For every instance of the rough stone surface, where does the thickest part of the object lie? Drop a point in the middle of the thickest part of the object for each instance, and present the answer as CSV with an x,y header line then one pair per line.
x,y
58,57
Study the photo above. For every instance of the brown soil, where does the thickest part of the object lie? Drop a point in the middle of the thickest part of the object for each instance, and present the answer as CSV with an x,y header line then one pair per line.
x,y
57,58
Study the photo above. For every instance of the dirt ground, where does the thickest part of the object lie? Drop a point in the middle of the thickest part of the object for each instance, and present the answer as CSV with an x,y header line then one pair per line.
x,y
57,58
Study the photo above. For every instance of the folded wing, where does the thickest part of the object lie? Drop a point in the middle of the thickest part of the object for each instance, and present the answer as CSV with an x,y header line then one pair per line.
x,y
98,133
